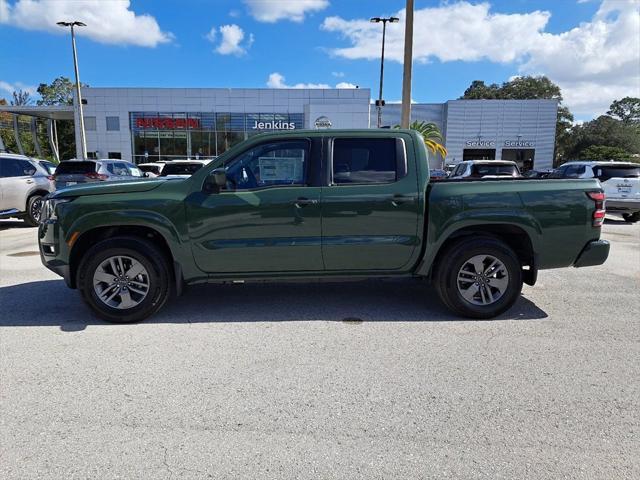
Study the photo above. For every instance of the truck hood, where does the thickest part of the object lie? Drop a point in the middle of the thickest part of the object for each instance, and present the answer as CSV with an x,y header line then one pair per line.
x,y
105,188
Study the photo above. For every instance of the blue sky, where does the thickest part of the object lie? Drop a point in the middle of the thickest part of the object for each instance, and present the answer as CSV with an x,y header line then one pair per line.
x,y
590,48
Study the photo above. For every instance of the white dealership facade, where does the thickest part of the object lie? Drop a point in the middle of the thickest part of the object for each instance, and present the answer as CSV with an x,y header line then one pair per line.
x,y
149,124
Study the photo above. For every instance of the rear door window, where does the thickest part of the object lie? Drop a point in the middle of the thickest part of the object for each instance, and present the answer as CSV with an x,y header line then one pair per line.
x,y
480,170
180,168
574,171
604,173
118,169
364,161
75,168
15,167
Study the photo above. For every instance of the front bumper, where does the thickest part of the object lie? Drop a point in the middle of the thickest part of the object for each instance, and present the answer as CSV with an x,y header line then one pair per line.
x,y
49,243
630,205
594,253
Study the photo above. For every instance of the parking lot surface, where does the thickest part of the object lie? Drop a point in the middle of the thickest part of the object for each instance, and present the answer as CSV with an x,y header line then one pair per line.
x,y
367,380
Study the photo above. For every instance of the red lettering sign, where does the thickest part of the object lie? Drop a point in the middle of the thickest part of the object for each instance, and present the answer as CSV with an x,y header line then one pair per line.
x,y
167,123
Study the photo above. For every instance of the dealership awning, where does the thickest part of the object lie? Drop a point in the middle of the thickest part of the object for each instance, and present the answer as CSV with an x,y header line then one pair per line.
x,y
51,112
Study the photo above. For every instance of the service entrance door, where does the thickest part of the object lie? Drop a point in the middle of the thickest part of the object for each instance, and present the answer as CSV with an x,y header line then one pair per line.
x,y
479,154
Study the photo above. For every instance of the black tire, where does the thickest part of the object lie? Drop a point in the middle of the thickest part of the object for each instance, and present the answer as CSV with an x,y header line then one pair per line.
x,y
152,259
631,217
452,260
34,207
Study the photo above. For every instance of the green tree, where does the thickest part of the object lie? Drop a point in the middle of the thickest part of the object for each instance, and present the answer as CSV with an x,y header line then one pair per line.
x,y
603,131
60,92
604,152
433,138
20,97
626,109
478,90
528,88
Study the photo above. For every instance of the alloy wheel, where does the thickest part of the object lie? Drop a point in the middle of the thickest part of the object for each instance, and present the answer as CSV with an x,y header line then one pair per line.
x,y
121,282
482,280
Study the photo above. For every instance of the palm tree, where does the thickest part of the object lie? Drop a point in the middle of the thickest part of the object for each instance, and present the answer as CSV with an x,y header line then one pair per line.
x,y
432,137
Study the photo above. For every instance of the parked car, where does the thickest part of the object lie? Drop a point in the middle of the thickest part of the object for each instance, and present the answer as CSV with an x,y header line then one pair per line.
x,y
279,206
72,172
182,168
151,169
24,182
474,169
543,173
620,180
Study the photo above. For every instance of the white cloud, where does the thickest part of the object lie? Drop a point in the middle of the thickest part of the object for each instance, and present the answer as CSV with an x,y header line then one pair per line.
x,y
4,11
594,63
211,36
14,87
271,11
232,40
107,21
276,80
338,74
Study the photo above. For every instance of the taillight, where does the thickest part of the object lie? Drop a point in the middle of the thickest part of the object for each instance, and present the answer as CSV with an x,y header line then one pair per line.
x,y
96,176
599,212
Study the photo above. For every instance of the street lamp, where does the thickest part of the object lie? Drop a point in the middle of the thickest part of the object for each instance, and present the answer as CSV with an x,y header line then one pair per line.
x,y
83,140
380,102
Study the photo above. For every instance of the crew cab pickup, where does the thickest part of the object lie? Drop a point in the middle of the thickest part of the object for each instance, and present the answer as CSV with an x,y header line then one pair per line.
x,y
338,204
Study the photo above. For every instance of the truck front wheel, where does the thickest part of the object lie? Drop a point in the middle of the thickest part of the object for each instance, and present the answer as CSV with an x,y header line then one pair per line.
x,y
478,277
124,279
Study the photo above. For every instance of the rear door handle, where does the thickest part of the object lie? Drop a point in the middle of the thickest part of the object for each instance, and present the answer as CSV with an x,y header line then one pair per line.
x,y
398,199
29,181
303,202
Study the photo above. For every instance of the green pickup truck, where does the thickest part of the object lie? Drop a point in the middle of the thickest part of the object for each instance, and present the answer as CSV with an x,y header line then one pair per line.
x,y
336,204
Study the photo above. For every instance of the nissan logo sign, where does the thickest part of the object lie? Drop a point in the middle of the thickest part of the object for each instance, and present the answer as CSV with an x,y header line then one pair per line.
x,y
322,122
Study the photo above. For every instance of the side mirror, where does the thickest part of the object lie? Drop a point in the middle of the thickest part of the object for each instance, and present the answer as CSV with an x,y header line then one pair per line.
x,y
216,181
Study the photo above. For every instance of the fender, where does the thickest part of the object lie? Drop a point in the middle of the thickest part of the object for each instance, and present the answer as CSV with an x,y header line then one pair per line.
x,y
438,234
177,241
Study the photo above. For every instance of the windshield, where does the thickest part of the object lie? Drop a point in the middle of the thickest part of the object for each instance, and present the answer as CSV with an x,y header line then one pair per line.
x,y
482,170
75,168
180,169
603,173
150,168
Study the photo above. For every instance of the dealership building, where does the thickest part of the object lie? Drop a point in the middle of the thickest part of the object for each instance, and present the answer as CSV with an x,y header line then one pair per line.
x,y
151,124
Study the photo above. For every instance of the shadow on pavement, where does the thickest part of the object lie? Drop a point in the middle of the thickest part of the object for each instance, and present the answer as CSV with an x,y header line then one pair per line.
x,y
7,224
51,303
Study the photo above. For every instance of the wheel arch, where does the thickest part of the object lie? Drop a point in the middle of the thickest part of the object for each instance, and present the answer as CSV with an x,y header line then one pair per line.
x,y
516,237
89,238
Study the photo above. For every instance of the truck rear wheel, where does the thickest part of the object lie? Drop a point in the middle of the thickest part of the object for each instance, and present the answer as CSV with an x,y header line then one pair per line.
x,y
124,279
478,277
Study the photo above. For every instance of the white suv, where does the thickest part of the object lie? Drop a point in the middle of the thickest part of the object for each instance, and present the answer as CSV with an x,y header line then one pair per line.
x,y
24,182
475,169
620,180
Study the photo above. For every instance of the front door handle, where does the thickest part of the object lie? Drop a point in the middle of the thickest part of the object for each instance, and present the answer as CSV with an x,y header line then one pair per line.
x,y
398,199
303,202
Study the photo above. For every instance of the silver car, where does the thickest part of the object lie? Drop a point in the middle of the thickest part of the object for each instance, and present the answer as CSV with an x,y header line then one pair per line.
x,y
24,182
72,172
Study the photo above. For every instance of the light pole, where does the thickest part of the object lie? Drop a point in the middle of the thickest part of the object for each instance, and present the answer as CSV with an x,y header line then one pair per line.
x,y
405,116
380,102
83,140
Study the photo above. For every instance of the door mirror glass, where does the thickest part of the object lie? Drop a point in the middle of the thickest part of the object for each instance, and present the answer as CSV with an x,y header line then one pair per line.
x,y
216,181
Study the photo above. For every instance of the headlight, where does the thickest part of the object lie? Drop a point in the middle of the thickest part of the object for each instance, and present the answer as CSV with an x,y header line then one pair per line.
x,y
49,212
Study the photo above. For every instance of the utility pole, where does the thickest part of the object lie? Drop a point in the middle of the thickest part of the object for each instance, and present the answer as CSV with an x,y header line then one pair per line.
x,y
408,59
380,101
83,138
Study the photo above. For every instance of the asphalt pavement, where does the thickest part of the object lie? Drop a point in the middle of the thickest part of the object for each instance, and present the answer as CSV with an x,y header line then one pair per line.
x,y
367,380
